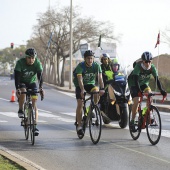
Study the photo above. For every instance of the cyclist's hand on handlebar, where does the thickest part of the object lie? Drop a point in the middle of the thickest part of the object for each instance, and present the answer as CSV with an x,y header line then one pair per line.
x,y
41,93
140,94
164,93
18,93
101,92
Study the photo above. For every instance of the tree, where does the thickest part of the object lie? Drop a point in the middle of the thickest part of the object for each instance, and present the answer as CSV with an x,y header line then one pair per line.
x,y
58,22
166,36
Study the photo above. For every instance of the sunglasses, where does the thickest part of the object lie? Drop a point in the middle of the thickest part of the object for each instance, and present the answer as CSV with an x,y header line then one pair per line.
x,y
147,61
31,57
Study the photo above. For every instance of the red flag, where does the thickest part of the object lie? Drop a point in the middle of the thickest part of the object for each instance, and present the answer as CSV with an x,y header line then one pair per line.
x,y
158,40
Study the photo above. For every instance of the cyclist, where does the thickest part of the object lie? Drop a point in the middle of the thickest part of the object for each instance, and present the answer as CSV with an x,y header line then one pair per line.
x,y
105,66
139,82
84,80
26,72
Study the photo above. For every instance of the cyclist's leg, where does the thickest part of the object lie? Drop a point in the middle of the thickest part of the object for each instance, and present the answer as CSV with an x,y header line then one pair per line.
x,y
93,88
147,90
79,110
21,100
135,99
34,98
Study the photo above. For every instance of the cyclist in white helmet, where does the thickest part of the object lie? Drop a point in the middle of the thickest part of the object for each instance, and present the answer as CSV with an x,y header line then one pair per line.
x,y
139,82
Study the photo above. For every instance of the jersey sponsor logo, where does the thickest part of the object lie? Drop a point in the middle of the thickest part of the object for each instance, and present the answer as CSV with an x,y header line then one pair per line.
x,y
144,76
88,76
28,74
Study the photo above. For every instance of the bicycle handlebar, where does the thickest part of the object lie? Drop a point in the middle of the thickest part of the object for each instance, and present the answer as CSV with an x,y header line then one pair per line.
x,y
148,95
31,92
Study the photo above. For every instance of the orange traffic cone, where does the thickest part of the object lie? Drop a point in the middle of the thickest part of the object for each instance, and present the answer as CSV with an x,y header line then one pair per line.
x,y
13,96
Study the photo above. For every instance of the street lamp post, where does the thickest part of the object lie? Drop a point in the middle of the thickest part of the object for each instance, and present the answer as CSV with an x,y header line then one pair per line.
x,y
71,45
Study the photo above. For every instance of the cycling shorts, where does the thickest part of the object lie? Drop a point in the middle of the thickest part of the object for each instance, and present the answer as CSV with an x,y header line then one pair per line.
x,y
88,88
134,90
32,86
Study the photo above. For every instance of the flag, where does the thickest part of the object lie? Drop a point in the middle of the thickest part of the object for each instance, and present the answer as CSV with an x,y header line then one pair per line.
x,y
99,43
158,40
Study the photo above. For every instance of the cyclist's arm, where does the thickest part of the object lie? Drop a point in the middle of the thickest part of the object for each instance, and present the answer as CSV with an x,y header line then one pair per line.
x,y
136,80
17,78
40,79
80,82
158,83
101,81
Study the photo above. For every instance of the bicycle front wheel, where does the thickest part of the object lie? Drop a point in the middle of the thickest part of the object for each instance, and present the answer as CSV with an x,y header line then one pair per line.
x,y
95,124
137,125
32,126
153,125
26,126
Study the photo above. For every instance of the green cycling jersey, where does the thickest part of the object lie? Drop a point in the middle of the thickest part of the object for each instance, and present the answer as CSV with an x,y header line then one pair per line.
x,y
88,73
144,75
28,72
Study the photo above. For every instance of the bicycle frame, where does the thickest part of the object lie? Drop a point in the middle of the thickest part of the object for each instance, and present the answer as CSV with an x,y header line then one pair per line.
x,y
92,118
30,118
86,118
149,101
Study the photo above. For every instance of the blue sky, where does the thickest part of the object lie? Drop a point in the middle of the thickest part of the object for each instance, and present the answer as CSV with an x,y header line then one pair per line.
x,y
139,21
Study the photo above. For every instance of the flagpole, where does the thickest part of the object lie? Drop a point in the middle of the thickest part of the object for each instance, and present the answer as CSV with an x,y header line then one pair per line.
x,y
157,44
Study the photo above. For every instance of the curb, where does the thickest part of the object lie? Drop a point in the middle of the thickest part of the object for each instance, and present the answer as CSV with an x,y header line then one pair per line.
x,y
24,163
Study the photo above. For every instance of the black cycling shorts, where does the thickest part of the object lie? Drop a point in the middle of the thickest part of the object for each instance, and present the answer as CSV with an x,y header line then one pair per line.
x,y
134,90
32,86
87,87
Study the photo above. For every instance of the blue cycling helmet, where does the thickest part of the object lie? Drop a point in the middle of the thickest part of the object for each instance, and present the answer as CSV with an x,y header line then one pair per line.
x,y
146,56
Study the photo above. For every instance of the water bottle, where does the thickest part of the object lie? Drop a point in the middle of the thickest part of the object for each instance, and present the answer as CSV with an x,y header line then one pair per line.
x,y
144,111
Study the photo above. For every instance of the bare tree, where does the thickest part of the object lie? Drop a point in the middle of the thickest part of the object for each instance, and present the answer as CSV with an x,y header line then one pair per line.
x,y
58,22
166,36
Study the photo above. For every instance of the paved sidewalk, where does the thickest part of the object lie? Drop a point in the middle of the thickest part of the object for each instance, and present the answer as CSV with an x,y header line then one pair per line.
x,y
164,107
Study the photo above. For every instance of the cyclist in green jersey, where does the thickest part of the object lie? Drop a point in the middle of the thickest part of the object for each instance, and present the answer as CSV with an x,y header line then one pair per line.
x,y
85,80
27,70
139,82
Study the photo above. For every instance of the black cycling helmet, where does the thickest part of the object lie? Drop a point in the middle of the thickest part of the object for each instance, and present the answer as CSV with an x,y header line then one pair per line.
x,y
30,52
146,56
88,53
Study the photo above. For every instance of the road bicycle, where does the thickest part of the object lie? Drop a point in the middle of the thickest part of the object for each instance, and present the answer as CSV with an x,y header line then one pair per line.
x,y
91,119
151,120
28,121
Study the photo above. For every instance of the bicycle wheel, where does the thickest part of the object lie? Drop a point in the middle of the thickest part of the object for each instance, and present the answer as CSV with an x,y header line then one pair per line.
x,y
25,120
32,125
137,121
153,125
95,124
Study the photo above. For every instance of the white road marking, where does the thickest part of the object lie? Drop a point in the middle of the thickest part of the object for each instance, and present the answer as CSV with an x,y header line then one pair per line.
x,y
9,114
165,133
68,94
69,114
3,121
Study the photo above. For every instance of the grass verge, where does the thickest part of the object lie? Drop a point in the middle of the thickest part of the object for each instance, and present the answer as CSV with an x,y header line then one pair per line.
x,y
6,164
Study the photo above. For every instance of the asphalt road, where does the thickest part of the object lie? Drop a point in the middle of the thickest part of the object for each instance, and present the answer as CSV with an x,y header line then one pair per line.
x,y
58,147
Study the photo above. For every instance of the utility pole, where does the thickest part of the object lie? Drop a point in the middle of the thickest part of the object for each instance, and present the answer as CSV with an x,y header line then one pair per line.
x,y
71,45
